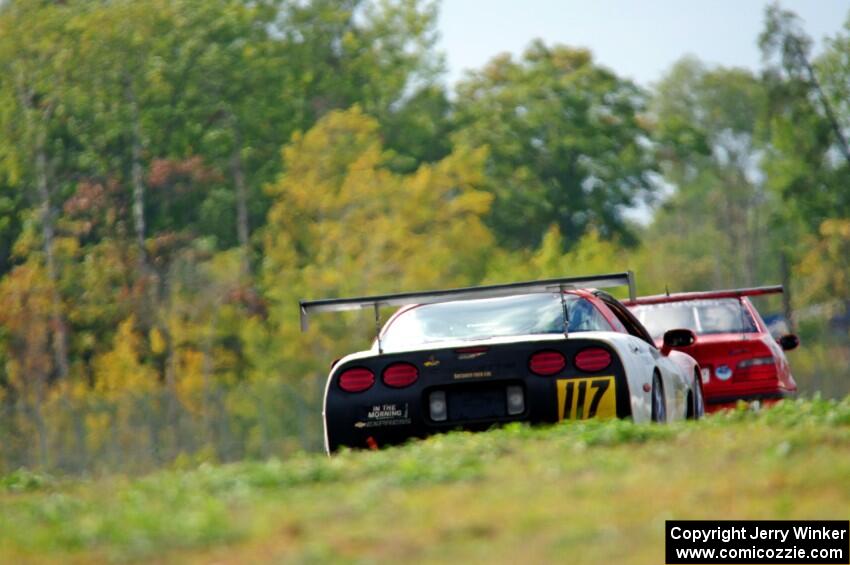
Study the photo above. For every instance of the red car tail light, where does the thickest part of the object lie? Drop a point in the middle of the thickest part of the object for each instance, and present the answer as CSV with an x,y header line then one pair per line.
x,y
479,349
755,361
399,375
592,359
356,380
757,368
546,363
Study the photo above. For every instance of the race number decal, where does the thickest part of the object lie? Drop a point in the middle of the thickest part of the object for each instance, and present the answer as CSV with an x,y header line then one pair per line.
x,y
580,399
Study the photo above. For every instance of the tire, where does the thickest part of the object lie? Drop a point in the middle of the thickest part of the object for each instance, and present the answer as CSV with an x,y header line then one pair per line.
x,y
696,406
659,404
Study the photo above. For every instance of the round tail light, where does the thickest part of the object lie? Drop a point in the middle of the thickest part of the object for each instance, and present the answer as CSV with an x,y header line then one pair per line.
x,y
400,375
356,380
592,359
547,363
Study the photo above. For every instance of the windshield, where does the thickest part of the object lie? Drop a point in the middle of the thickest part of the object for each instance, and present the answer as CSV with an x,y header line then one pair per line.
x,y
725,315
492,317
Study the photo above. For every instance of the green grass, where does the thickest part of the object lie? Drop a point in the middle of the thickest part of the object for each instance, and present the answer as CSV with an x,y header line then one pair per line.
x,y
589,492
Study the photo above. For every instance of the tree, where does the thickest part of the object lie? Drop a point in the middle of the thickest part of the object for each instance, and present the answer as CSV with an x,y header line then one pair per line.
x,y
120,81
26,311
343,223
808,158
826,264
804,130
833,68
567,143
706,130
33,82
784,38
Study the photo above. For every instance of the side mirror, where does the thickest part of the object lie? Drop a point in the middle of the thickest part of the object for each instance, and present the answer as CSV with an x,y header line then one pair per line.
x,y
789,342
677,338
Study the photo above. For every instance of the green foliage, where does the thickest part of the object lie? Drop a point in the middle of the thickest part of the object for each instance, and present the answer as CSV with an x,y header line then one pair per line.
x,y
590,255
343,223
567,143
810,162
137,139
11,212
826,265
73,431
707,123
833,68
23,480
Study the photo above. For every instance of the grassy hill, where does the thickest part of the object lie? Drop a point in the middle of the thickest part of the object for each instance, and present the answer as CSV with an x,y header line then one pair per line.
x,y
590,492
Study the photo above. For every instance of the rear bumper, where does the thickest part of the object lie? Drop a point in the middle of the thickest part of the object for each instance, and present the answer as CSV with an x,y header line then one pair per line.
x,y
383,415
409,417
731,399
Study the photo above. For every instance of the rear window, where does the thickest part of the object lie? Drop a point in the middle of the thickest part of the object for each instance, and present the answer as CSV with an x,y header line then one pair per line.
x,y
711,316
492,317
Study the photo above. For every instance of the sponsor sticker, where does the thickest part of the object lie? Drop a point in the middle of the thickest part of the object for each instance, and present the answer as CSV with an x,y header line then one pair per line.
x,y
723,372
387,414
473,375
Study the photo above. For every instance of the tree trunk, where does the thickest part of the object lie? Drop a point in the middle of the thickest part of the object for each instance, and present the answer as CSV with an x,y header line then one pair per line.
x,y
786,285
136,175
46,213
242,228
37,132
756,233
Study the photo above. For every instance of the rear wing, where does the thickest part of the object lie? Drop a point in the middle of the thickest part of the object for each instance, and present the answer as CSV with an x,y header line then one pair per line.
x,y
685,296
492,291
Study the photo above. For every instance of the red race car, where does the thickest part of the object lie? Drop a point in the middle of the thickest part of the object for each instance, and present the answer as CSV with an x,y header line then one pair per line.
x,y
738,357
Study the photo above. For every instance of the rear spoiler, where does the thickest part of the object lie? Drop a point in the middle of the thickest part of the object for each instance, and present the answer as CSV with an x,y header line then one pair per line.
x,y
492,291
684,296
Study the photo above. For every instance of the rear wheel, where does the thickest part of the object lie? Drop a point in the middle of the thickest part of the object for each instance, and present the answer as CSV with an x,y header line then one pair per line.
x,y
696,407
659,406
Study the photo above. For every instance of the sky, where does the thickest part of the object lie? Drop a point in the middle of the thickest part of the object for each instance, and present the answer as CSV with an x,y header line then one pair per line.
x,y
638,39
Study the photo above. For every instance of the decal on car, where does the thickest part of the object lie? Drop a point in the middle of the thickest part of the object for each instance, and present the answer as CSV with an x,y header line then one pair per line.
x,y
384,415
473,375
593,397
723,372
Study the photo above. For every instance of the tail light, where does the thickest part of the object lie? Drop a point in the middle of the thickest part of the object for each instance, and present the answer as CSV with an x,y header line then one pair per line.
x,y
471,352
399,375
546,363
757,368
755,361
592,359
356,380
